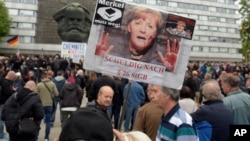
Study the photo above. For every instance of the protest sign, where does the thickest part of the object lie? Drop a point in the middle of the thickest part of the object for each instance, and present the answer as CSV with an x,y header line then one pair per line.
x,y
75,51
139,43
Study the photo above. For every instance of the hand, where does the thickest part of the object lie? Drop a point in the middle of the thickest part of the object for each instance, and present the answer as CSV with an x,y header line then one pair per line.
x,y
102,47
118,135
170,55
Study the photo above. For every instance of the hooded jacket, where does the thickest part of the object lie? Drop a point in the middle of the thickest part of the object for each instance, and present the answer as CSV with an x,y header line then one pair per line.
x,y
30,107
71,95
59,82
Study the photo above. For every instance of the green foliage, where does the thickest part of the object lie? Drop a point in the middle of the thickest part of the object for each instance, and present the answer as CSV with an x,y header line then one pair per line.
x,y
5,21
245,28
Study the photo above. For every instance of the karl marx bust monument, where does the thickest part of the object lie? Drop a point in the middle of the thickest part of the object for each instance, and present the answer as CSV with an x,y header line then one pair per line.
x,y
74,23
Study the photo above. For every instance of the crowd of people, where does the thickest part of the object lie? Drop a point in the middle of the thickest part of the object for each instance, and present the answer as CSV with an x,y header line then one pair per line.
x,y
213,96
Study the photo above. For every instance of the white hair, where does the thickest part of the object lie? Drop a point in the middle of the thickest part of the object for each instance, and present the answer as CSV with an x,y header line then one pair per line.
x,y
135,136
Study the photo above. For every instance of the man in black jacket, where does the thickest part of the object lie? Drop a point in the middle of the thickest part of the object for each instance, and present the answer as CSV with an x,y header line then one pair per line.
x,y
31,107
71,99
6,91
103,101
104,80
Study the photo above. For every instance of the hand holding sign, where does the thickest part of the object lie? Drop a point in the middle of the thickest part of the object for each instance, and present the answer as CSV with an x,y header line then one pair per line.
x,y
170,54
102,46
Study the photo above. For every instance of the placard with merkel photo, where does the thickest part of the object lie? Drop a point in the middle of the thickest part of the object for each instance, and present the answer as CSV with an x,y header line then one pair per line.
x,y
131,41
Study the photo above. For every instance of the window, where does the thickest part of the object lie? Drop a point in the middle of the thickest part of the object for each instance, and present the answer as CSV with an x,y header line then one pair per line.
x,y
13,12
233,50
196,38
230,1
26,39
222,20
30,1
203,27
231,30
204,38
205,49
221,1
183,5
16,1
25,25
162,2
203,7
214,49
234,40
173,4
194,6
193,16
13,25
203,18
213,9
226,40
196,49
214,19
231,11
140,1
27,13
153,2
213,28
222,29
224,50
221,10
232,21
213,39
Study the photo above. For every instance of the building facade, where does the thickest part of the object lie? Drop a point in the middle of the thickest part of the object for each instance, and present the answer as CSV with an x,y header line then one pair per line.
x,y
216,36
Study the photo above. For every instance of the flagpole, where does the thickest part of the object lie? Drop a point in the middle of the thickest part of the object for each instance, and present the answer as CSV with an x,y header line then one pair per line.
x,y
18,53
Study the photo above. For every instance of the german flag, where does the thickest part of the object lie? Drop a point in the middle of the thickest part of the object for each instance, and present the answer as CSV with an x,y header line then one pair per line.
x,y
14,41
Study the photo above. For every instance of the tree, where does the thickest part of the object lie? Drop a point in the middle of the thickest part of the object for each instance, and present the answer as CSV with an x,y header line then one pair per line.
x,y
245,28
5,21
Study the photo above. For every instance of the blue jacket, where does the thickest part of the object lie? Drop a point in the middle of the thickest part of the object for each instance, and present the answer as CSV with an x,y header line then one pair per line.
x,y
136,94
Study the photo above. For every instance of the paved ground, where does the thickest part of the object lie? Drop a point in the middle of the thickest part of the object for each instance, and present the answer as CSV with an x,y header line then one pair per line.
x,y
56,129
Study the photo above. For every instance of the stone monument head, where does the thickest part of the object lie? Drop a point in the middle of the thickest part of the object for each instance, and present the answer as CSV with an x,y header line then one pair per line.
x,y
74,23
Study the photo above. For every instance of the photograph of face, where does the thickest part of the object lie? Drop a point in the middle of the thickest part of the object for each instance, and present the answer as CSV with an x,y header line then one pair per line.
x,y
142,32
138,38
180,26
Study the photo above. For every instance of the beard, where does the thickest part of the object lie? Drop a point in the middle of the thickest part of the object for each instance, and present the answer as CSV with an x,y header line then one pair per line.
x,y
73,33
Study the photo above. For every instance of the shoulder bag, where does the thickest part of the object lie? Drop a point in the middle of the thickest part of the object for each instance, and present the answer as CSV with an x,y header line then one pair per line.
x,y
26,126
51,95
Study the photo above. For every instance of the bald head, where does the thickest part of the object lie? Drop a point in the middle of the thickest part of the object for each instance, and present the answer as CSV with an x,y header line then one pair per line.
x,y
30,85
105,96
11,75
